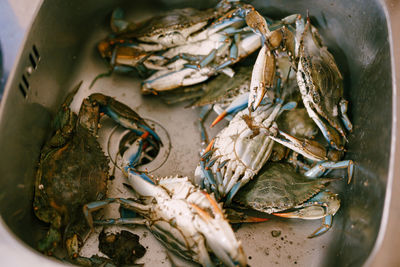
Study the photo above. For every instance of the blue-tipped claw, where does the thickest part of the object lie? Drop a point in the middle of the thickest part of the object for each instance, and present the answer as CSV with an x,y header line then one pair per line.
x,y
326,225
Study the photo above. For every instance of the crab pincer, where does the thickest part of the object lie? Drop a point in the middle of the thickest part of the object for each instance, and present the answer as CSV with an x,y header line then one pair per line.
x,y
262,77
123,115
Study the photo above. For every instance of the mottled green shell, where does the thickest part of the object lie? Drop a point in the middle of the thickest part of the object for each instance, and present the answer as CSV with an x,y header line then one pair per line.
x,y
278,187
71,176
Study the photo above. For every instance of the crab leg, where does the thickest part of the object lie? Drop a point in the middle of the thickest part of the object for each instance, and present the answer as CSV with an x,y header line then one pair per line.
x,y
235,188
241,47
233,53
134,158
121,221
257,23
142,151
207,59
236,51
185,56
204,111
345,119
330,135
308,148
321,167
207,173
238,104
323,205
298,164
91,207
217,27
326,225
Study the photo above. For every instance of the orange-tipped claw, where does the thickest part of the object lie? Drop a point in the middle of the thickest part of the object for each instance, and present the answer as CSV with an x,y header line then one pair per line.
x,y
214,204
255,219
259,99
210,145
284,215
219,118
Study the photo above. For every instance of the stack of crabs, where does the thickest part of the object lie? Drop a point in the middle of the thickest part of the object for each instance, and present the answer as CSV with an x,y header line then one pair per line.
x,y
266,158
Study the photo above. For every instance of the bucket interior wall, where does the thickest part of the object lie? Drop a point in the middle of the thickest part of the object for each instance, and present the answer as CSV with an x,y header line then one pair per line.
x,y
60,49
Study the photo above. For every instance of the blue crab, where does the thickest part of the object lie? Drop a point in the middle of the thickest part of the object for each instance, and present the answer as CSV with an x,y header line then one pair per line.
x,y
181,216
238,151
321,87
73,169
279,190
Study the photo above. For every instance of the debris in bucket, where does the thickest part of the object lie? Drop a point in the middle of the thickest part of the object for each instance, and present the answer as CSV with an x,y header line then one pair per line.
x,y
275,233
123,248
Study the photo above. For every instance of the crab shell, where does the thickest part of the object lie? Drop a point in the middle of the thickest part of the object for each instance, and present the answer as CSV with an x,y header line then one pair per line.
x,y
69,176
278,187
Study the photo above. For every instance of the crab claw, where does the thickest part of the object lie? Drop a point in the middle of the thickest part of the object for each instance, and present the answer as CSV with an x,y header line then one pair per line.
x,y
235,216
308,148
257,23
321,167
262,77
123,115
